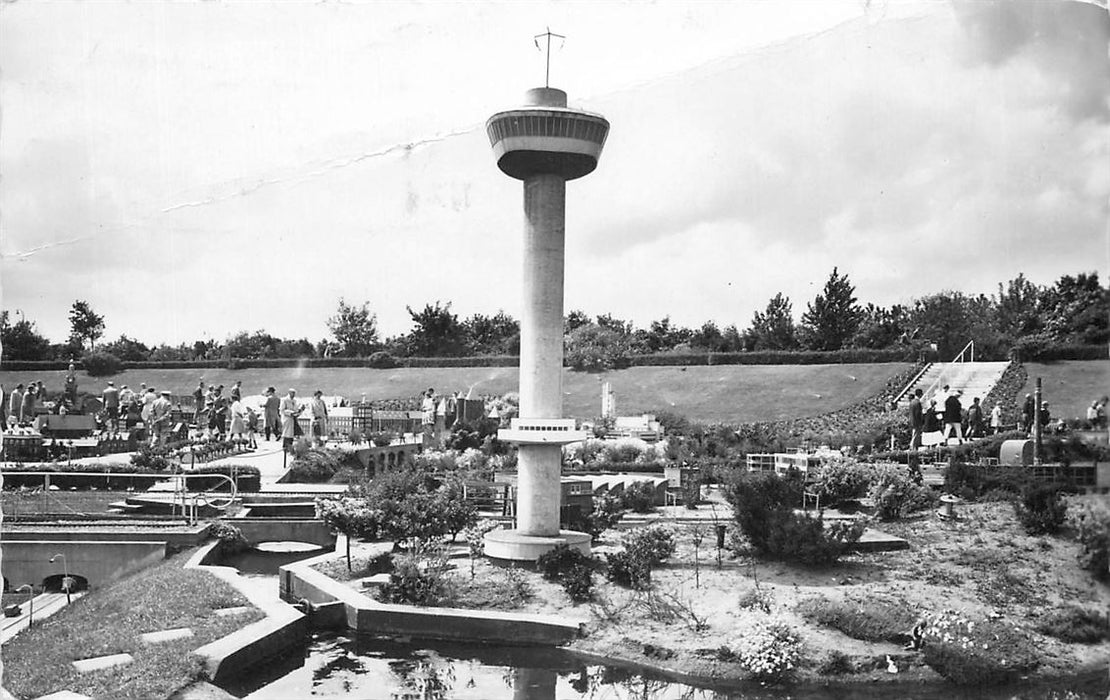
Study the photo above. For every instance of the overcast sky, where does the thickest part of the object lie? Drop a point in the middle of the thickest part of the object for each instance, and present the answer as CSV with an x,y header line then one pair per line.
x,y
194,169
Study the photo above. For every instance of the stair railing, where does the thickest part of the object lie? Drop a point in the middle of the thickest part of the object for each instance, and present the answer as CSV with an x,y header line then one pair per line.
x,y
916,378
968,351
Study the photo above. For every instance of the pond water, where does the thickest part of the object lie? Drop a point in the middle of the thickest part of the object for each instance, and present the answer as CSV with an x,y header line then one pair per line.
x,y
337,665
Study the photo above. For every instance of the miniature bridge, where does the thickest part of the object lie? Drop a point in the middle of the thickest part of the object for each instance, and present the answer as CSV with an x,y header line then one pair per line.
x,y
309,530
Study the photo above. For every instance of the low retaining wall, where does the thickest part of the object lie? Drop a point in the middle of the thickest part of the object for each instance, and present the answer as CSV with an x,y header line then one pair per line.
x,y
283,628
310,530
367,616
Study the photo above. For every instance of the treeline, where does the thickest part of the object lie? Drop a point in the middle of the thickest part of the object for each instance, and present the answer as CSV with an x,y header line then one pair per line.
x,y
1032,320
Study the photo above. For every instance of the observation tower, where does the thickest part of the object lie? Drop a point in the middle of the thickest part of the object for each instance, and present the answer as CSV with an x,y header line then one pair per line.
x,y
544,144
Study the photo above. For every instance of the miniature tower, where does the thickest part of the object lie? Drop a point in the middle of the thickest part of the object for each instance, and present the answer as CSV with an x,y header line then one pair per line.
x,y
544,144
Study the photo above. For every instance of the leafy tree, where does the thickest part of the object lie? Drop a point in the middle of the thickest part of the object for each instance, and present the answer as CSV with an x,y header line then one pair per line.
x,y
85,324
880,327
573,320
833,317
708,337
661,335
593,348
21,340
127,349
437,332
354,328
610,322
351,516
774,328
492,335
951,319
1019,308
1077,310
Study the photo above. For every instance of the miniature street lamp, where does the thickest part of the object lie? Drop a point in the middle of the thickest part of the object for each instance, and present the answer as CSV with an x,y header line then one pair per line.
x,y
30,602
67,582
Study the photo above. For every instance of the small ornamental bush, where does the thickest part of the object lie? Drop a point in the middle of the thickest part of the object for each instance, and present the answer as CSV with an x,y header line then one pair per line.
x,y
1075,625
757,598
315,466
895,493
767,648
624,569
572,569
976,653
382,360
416,581
1042,509
842,480
639,497
101,364
866,619
837,663
1092,529
231,538
654,543
606,514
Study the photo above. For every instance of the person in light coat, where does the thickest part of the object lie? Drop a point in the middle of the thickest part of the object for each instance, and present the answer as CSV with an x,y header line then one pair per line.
x,y
290,411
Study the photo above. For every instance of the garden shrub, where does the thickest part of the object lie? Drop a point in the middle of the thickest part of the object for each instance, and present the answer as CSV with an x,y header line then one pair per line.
x,y
1075,625
766,647
691,492
976,652
382,439
868,620
382,360
837,663
416,580
572,569
639,497
152,458
315,466
1042,509
1091,523
626,569
763,507
606,513
757,598
101,364
654,543
230,537
895,493
842,480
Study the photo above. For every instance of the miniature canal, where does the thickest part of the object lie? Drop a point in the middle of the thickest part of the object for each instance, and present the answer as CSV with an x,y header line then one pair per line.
x,y
334,665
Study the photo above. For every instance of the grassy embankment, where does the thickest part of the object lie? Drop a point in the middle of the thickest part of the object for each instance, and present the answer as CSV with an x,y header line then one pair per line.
x,y
731,393
109,621
1069,386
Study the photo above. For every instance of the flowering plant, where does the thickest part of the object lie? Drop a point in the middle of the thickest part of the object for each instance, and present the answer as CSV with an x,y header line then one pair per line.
x,y
766,646
976,652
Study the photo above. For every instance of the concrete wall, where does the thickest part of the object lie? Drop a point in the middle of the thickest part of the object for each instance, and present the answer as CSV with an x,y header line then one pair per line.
x,y
97,562
367,616
258,530
179,539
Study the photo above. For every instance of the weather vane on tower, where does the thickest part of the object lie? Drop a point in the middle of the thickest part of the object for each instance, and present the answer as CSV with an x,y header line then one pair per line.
x,y
536,41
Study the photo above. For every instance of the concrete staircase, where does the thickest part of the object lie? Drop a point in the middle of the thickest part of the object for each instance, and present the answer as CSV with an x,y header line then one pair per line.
x,y
974,379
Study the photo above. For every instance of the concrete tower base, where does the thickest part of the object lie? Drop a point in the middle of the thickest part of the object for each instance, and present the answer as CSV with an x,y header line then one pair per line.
x,y
513,545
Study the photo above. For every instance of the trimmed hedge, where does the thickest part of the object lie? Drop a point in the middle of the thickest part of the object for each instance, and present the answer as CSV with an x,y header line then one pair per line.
x,y
776,357
1054,353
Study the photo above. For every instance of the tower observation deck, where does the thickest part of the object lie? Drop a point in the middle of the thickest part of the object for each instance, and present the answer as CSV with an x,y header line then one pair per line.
x,y
544,144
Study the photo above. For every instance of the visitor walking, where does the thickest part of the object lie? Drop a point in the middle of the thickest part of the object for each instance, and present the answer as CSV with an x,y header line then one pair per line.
x,y
319,418
237,391
953,417
996,419
15,403
110,396
238,418
271,414
27,408
975,419
252,427
917,420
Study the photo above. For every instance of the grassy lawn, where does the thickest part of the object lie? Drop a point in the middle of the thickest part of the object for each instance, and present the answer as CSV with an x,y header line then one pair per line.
x,y
733,393
1069,386
109,620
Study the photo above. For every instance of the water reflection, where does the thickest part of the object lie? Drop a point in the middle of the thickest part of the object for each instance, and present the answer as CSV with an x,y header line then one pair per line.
x,y
334,666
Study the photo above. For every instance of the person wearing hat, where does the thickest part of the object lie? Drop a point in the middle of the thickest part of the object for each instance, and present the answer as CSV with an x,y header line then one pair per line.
x,y
271,413
290,411
160,410
1028,410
